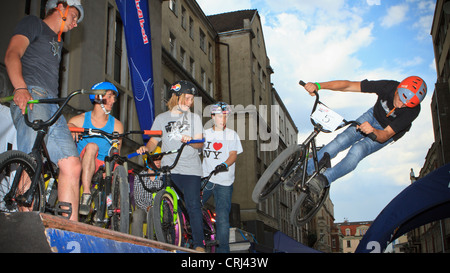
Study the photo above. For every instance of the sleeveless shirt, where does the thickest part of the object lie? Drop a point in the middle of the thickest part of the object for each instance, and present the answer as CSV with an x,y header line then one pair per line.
x,y
102,143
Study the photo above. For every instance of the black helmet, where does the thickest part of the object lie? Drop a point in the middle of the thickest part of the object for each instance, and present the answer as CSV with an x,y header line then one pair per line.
x,y
183,87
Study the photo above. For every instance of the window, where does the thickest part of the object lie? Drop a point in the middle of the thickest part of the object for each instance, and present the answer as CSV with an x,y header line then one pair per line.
x,y
264,78
192,67
173,45
260,73
347,232
116,61
165,95
183,57
183,18
203,78
191,28
363,231
202,40
210,52
211,87
173,6
258,37
118,48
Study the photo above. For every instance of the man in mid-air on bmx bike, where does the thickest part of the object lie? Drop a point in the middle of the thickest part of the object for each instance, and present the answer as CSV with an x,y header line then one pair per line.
x,y
397,106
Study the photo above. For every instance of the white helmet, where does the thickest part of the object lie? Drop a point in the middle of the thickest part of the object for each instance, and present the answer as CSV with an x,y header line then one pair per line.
x,y
51,4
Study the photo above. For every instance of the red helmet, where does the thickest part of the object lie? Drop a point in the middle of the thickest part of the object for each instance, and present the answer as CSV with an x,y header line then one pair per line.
x,y
412,91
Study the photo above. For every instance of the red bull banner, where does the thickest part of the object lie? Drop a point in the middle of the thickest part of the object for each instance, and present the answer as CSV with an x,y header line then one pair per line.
x,y
136,22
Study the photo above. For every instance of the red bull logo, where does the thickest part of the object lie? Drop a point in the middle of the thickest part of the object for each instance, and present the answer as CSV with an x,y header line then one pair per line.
x,y
176,87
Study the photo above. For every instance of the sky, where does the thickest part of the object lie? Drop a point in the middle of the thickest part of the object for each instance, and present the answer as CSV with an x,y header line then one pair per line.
x,y
325,40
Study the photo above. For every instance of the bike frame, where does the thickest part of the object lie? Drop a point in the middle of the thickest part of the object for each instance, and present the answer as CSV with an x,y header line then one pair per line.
x,y
40,152
170,187
105,186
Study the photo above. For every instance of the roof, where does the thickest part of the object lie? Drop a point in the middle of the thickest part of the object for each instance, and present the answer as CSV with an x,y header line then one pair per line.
x,y
353,226
231,20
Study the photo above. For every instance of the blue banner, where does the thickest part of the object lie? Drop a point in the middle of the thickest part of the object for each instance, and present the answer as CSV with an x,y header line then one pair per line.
x,y
136,21
422,202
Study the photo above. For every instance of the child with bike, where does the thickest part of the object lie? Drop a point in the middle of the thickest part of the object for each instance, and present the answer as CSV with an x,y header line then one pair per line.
x,y
220,150
179,125
142,197
32,61
94,149
397,106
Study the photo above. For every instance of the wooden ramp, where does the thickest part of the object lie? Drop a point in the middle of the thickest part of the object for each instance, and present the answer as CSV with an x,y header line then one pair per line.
x,y
33,232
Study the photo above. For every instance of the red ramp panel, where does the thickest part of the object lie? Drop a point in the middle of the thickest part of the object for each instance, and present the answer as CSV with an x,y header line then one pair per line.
x,y
33,232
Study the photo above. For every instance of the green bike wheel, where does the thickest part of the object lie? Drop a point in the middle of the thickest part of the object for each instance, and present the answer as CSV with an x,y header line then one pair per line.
x,y
166,219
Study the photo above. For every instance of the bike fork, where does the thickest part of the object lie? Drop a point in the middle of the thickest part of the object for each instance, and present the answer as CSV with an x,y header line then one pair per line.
x,y
321,166
26,199
9,197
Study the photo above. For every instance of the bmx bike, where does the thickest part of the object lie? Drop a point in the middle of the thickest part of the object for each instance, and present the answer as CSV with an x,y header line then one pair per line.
x,y
109,187
167,218
291,164
29,182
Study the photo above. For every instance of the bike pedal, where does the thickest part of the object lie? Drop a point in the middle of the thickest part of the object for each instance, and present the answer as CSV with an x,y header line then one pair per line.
x,y
59,211
212,243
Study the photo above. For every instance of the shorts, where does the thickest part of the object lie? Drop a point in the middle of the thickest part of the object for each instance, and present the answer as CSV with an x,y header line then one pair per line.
x,y
59,140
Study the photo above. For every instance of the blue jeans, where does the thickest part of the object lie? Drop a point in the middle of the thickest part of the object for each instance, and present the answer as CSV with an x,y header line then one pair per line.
x,y
360,147
222,200
59,140
189,185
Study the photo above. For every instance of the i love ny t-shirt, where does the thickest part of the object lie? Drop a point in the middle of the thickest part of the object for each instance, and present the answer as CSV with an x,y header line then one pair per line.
x,y
216,150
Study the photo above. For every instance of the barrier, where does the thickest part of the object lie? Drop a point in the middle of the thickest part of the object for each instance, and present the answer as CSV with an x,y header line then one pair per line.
x,y
33,232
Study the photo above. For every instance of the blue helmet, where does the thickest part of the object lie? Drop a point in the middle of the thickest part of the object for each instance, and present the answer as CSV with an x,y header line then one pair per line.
x,y
105,86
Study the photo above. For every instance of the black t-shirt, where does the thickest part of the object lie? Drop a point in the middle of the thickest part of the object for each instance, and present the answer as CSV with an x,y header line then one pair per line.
x,y
41,60
401,119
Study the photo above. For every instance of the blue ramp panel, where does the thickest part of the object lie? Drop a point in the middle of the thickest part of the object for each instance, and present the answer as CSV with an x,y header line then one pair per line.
x,y
422,202
34,232
63,241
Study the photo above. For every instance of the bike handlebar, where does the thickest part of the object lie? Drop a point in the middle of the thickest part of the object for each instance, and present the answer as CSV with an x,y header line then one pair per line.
x,y
179,151
39,124
113,135
372,136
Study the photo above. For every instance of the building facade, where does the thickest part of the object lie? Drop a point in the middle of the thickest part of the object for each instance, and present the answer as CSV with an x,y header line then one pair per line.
x,y
435,237
352,233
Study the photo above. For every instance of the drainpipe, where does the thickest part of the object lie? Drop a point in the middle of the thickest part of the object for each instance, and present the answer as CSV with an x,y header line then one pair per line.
x,y
229,76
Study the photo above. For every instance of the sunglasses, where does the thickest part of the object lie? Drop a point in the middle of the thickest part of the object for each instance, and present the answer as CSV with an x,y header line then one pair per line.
x,y
156,157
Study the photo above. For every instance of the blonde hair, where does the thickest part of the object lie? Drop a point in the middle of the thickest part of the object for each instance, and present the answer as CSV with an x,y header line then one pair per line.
x,y
173,101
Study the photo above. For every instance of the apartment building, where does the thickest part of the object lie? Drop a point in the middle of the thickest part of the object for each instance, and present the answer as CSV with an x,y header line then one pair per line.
x,y
188,49
435,237
352,234
268,128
